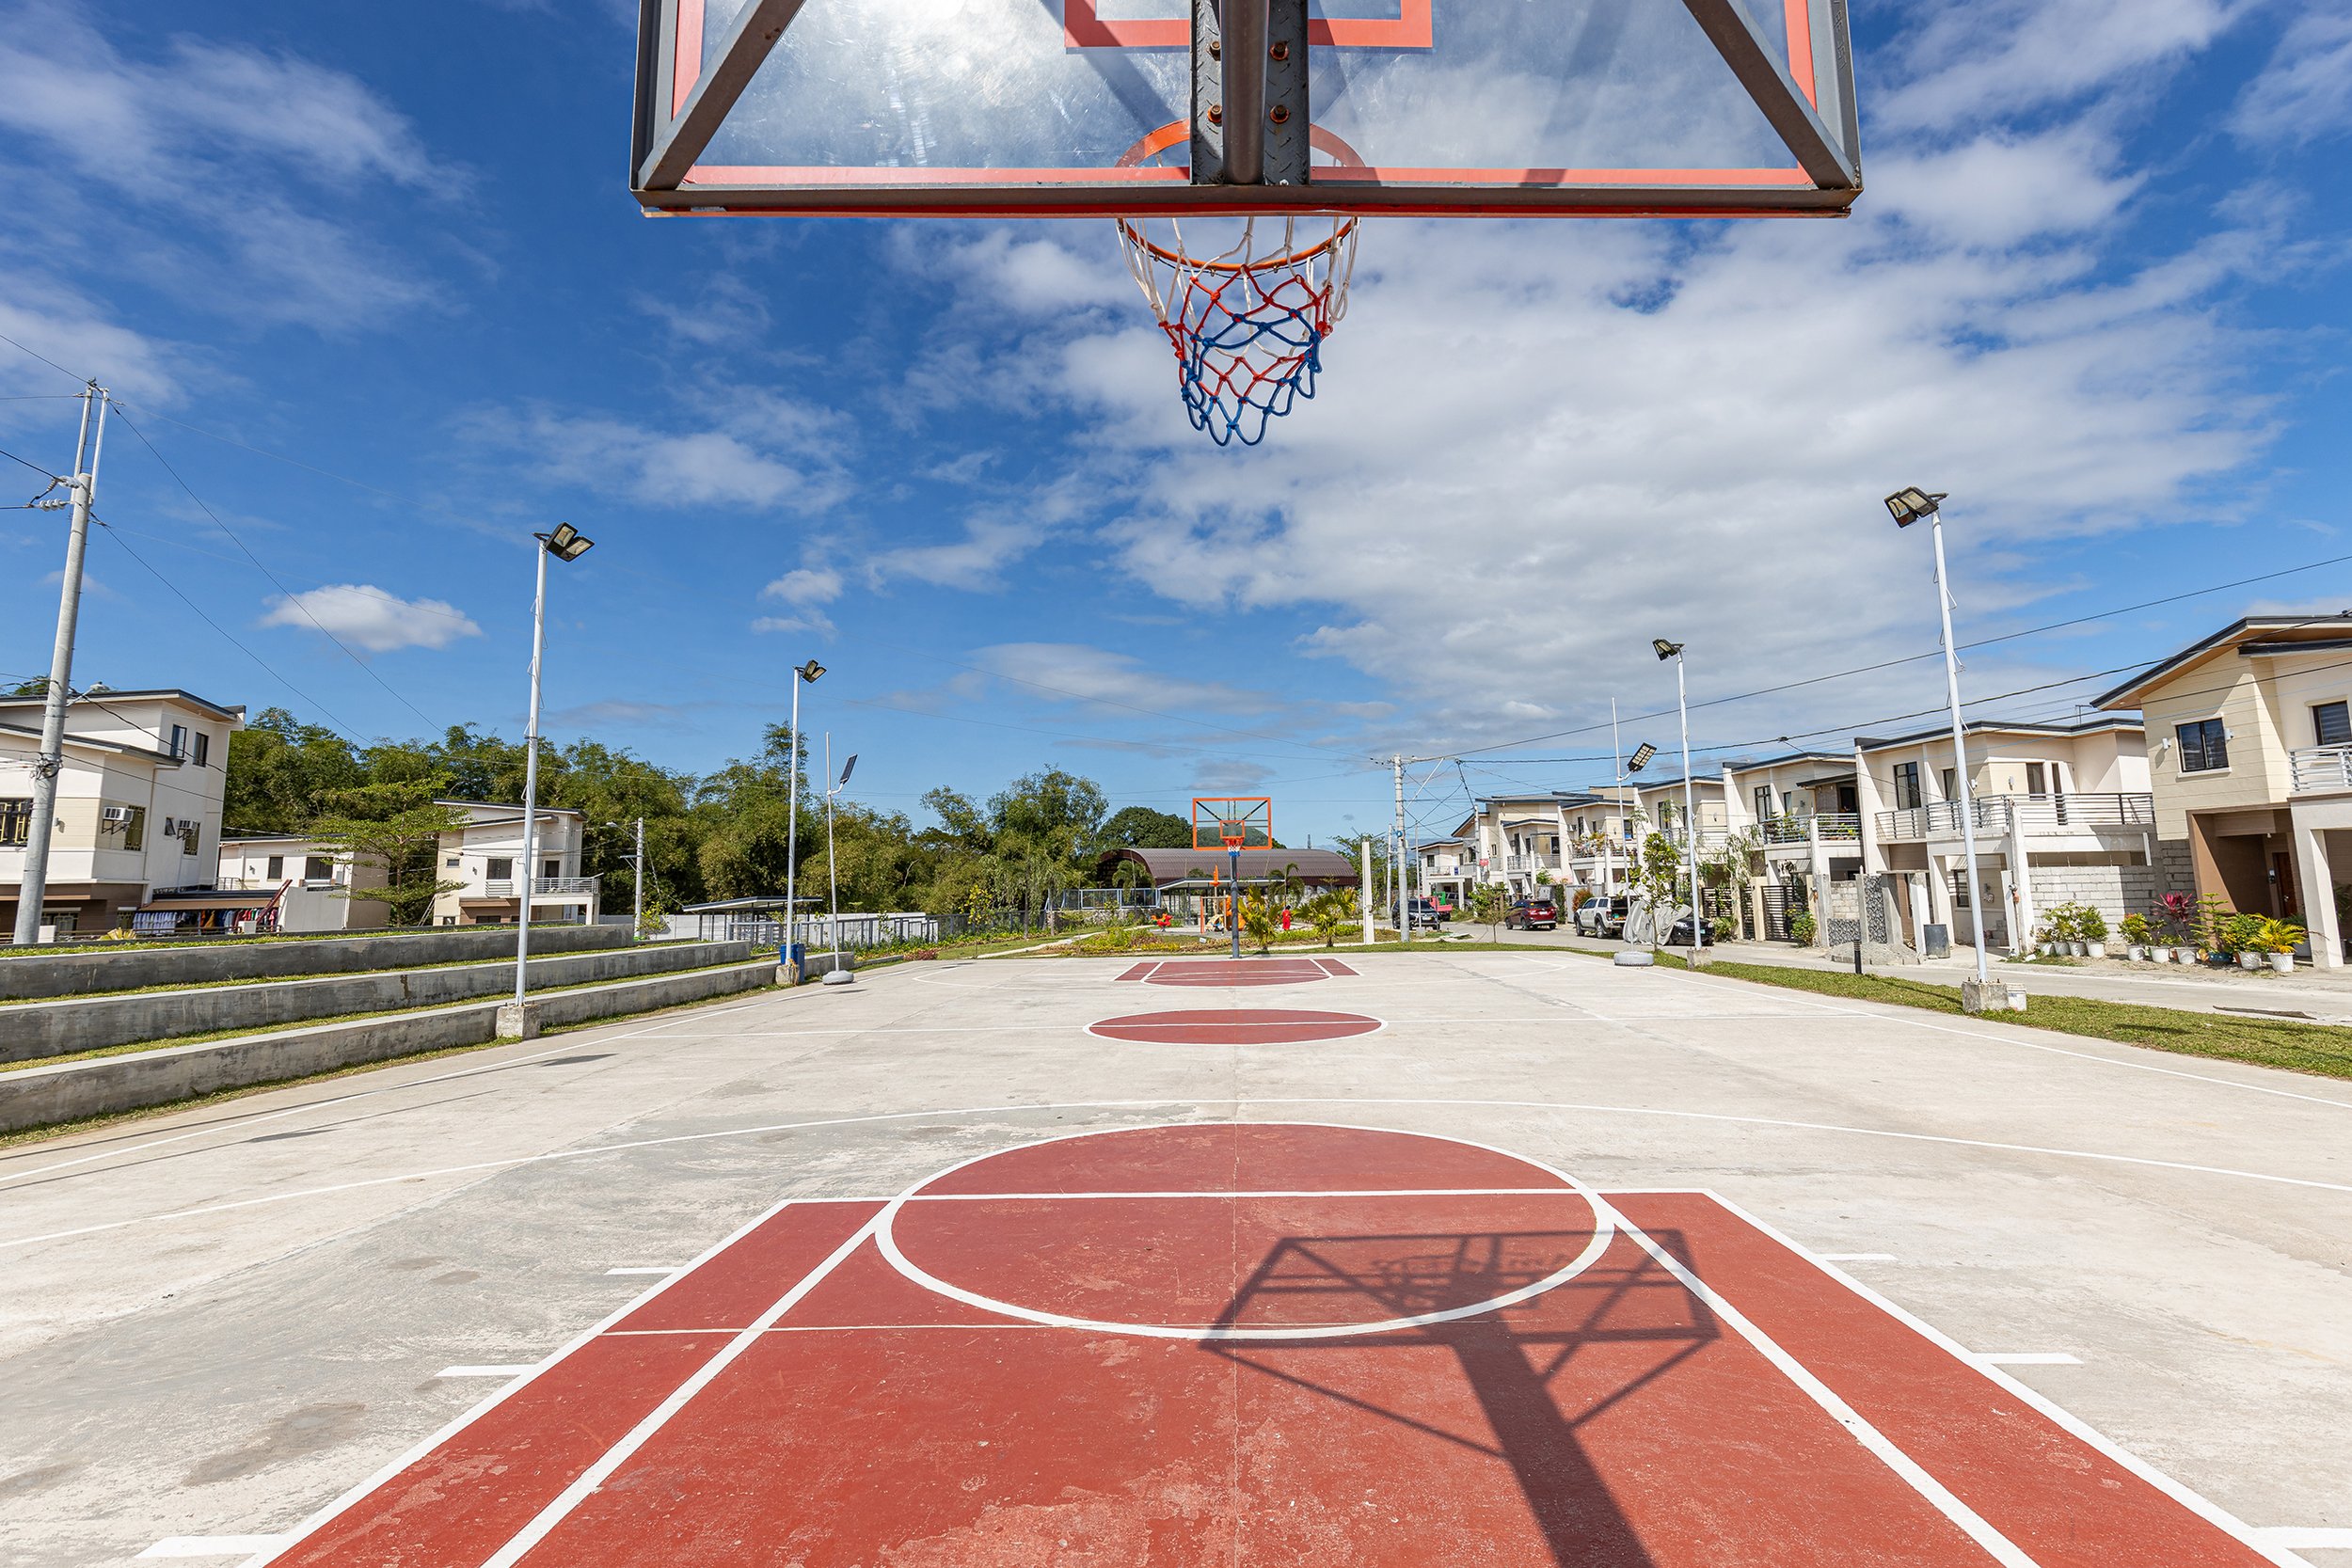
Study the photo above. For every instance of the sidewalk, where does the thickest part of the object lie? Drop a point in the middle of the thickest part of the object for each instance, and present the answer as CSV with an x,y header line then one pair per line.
x,y
2324,997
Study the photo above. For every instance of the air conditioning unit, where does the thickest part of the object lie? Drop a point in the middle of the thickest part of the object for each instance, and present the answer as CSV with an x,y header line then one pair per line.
x,y
114,815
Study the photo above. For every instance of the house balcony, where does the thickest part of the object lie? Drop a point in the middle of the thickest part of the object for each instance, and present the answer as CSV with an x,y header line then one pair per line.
x,y
2322,769
1827,826
1531,862
2038,815
542,889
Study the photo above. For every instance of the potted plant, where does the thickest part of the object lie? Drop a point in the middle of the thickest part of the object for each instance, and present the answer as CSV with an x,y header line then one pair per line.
x,y
2135,937
2242,938
2175,912
2061,931
2277,940
2092,926
1801,930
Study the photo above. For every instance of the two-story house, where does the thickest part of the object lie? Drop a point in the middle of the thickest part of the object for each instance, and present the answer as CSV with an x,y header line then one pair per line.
x,y
311,887
486,857
2249,752
138,801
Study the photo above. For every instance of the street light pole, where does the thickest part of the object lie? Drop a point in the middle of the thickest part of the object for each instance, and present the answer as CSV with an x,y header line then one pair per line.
x,y
1907,507
805,675
1403,883
1690,822
33,886
637,888
566,542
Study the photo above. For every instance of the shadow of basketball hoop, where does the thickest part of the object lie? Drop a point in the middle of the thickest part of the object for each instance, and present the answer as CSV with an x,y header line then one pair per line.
x,y
1513,1360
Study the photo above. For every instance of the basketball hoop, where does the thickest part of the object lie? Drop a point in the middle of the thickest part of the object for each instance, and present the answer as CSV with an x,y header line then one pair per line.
x,y
1246,321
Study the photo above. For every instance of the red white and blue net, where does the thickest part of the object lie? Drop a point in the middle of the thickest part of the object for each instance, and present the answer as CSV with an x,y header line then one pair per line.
x,y
1246,323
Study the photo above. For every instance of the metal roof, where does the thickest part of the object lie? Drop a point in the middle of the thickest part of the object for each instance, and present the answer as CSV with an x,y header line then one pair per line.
x,y
2120,696
1167,866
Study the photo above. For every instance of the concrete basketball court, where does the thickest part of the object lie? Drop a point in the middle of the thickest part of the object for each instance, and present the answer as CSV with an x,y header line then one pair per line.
x,y
1506,1258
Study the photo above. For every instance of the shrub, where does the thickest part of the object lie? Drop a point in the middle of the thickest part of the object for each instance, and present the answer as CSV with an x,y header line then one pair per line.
x,y
2240,933
1801,930
2136,930
2090,924
2278,936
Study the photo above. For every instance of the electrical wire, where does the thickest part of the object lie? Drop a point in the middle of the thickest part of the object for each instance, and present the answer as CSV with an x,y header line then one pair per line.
x,y
44,359
291,596
346,730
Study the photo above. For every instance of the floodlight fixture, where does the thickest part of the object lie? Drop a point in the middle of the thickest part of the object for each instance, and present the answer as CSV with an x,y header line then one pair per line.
x,y
1911,504
1664,649
566,543
1640,759
810,670
847,769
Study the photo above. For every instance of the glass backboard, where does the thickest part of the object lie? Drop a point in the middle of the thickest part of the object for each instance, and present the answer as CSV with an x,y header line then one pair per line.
x,y
1601,107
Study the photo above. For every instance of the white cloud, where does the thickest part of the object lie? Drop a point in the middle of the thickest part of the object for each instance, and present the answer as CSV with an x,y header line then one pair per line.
x,y
725,312
369,619
1965,64
806,586
2305,94
756,450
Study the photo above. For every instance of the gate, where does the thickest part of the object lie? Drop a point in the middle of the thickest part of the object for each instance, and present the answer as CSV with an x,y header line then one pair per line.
x,y
1777,912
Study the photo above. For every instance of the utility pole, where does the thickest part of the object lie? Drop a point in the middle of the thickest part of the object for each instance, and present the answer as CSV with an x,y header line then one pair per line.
x,y
1404,884
637,890
1609,839
1363,905
33,889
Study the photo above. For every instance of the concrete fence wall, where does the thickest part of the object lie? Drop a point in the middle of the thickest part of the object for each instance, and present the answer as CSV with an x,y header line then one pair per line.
x,y
29,975
30,1030
71,1091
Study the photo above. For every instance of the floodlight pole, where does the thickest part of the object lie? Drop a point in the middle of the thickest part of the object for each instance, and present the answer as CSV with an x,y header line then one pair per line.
x,y
1690,817
1404,887
33,886
1363,905
1608,839
528,882
833,879
637,888
792,831
1960,749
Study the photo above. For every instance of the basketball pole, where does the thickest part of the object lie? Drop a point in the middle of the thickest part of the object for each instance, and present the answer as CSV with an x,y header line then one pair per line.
x,y
1233,853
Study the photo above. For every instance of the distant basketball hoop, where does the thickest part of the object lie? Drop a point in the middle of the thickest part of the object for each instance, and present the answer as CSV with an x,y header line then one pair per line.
x,y
1232,822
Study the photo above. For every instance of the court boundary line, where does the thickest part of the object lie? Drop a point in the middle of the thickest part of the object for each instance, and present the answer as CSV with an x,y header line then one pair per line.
x,y
550,1156
2074,1425
1880,1447
559,1508
887,1242
317,1520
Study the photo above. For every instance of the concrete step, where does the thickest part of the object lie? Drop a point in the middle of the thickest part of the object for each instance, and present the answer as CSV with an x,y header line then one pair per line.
x,y
45,1095
31,1030
26,974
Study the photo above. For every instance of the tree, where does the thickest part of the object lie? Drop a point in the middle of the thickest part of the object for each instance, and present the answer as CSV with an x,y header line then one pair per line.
x,y
406,847
1259,922
1659,879
1490,906
1331,911
280,770
1143,828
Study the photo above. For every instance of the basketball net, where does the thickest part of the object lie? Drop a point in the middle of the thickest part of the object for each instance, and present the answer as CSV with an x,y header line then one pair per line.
x,y
1248,323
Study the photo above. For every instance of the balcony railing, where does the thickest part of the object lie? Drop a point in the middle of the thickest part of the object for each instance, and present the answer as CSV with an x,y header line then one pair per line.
x,y
2322,767
2038,814
1825,827
1531,862
541,887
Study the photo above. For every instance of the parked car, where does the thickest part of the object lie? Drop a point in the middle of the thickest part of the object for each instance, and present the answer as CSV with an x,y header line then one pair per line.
x,y
1427,914
1680,935
1602,917
1533,914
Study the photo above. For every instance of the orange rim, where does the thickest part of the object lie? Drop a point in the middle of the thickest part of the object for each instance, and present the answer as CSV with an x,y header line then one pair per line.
x,y
1175,131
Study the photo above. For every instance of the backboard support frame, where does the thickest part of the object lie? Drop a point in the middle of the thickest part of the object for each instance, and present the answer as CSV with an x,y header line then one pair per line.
x,y
678,112
1217,819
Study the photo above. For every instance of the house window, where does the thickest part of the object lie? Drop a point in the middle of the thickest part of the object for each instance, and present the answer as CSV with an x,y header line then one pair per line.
x,y
317,869
2204,747
1951,785
179,742
2332,722
16,819
135,828
1960,890
1906,785
1763,802
203,748
191,835
275,867
2037,778
498,870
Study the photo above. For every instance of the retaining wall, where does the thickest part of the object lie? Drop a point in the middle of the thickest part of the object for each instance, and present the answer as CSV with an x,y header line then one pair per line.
x,y
30,1030
70,1091
28,975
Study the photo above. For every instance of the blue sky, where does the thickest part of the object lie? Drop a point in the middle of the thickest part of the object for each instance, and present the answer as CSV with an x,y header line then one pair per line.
x,y
2096,288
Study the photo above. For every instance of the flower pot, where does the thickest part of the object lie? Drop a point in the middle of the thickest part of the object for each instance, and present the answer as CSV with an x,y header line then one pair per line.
x,y
2250,962
2162,955
2134,951
2094,949
2282,963
2185,954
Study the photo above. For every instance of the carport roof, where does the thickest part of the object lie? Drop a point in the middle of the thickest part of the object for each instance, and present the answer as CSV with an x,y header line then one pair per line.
x,y
1168,866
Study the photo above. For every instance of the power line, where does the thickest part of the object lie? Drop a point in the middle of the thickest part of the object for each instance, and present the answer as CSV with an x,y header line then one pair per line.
x,y
44,359
348,733
44,473
291,596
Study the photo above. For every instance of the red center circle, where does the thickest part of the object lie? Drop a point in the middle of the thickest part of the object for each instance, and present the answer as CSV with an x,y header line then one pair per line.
x,y
1244,1226
1233,1026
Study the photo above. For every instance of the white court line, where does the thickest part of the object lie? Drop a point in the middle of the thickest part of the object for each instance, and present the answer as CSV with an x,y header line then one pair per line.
x,y
1271,1192
1857,1257
658,1269
571,1042
1912,1473
886,1241
755,1131
2316,1538
2213,1513
488,1371
618,1455
2027,1358
417,1451
214,1545
1906,1015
